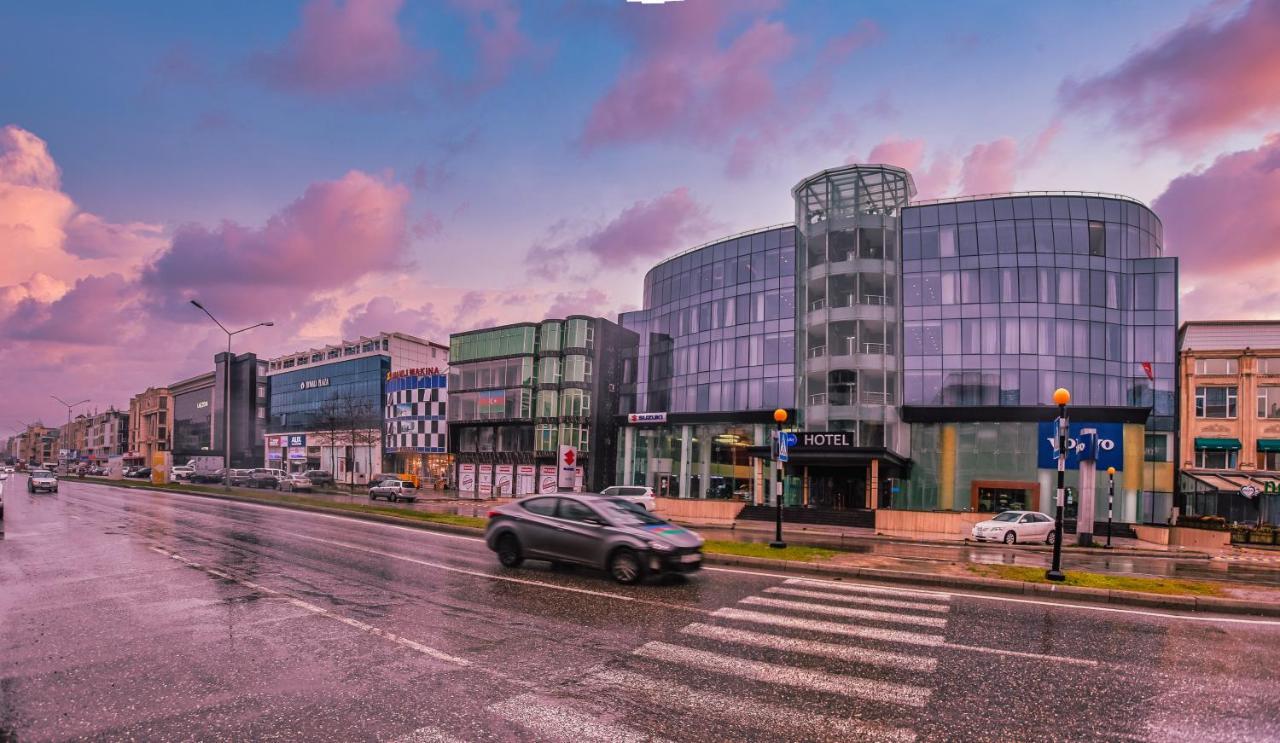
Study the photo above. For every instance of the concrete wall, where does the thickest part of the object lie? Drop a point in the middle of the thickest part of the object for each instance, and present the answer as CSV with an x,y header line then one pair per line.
x,y
1187,538
951,524
694,511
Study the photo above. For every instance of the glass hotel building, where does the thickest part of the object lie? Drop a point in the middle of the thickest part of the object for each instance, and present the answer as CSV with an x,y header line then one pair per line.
x,y
928,335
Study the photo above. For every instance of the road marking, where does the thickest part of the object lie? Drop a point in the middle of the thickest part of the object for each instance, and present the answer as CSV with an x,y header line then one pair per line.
x,y
887,692
844,611
919,663
833,628
856,599
426,735
367,628
550,721
831,585
1020,654
753,713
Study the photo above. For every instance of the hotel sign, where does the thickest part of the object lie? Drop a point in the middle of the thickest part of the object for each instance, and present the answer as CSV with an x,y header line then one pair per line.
x,y
311,384
821,441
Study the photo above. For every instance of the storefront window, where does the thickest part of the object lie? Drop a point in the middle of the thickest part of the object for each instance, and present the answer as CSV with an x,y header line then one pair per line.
x,y
1214,459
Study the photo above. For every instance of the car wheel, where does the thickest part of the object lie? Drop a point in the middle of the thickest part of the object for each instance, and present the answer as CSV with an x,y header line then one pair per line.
x,y
1051,537
1010,538
624,566
508,549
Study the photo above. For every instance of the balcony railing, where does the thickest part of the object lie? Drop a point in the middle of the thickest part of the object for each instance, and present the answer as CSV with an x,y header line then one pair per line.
x,y
818,304
818,399
817,352
881,348
875,299
877,398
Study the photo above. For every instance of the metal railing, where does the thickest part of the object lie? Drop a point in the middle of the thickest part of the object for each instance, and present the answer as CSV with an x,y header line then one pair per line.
x,y
881,348
875,299
817,352
878,398
818,304
818,399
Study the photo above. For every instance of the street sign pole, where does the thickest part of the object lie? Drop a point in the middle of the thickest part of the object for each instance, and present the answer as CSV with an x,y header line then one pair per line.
x,y
779,417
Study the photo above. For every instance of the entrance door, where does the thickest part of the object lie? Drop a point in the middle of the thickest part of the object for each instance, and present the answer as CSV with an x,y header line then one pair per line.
x,y
994,497
837,488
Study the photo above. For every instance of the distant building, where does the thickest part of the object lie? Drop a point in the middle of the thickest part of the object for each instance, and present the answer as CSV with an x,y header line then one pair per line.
x,y
107,436
519,392
326,405
1229,449
150,421
416,423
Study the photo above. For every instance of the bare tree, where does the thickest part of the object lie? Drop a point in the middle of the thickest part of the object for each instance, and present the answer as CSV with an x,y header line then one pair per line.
x,y
333,420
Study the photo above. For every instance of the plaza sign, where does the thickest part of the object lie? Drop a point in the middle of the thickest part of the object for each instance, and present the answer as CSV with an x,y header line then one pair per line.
x,y
311,384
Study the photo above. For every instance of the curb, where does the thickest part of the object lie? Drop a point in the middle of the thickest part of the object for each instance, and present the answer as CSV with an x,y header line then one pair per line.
x,y
974,583
1017,588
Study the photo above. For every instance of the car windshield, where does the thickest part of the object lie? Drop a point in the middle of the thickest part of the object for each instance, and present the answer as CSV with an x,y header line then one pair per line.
x,y
629,514
42,473
1007,516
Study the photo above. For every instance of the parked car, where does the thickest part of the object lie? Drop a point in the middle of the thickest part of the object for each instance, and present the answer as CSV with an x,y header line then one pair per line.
x,y
4,475
182,472
1012,527
623,538
42,480
394,490
261,478
640,495
142,473
212,476
319,478
295,481
240,478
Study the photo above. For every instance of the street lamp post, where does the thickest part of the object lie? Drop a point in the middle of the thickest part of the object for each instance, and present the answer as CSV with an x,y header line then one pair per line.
x,y
779,417
226,402
67,431
1060,396
1111,497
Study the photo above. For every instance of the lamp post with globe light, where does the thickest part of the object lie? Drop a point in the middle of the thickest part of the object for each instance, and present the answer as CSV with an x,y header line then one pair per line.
x,y
779,417
1061,397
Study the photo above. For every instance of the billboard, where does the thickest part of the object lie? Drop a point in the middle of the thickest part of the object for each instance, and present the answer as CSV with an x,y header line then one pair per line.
x,y
467,478
1110,451
503,476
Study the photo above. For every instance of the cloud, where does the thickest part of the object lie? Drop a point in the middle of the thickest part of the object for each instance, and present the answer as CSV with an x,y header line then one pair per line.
x,y
932,181
387,314
587,302
990,167
1242,295
493,26
25,161
89,236
681,80
96,311
646,229
342,46
337,232
1224,218
1213,75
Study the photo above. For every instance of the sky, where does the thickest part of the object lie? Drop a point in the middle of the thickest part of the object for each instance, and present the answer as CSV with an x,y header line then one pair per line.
x,y
343,167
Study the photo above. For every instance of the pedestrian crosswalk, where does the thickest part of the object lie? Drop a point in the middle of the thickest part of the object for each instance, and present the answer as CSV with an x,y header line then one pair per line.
x,y
803,659
1254,558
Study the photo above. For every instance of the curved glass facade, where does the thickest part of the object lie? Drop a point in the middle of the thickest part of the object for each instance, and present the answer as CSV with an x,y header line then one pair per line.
x,y
848,329
1006,299
717,332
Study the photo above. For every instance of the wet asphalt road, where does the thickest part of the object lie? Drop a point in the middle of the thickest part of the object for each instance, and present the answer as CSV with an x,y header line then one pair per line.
x,y
153,616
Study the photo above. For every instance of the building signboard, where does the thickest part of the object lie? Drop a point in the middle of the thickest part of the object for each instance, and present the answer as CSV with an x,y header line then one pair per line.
x,y
567,466
311,384
429,371
298,440
525,474
646,417
547,479
484,480
814,441
467,478
1109,445
297,453
273,441
503,480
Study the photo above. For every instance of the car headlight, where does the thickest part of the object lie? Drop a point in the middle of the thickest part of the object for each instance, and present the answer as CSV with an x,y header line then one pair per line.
x,y
660,546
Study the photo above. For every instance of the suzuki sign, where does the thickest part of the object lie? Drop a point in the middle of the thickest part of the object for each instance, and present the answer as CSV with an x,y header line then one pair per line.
x,y
567,467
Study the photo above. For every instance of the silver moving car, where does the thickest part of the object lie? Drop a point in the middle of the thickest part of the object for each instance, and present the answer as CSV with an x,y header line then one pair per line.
x,y
42,480
615,535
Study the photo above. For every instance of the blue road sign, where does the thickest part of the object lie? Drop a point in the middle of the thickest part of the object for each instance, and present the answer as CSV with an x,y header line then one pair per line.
x,y
789,439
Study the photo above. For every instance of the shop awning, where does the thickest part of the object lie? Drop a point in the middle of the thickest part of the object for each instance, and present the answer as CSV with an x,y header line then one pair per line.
x,y
1217,444
1268,444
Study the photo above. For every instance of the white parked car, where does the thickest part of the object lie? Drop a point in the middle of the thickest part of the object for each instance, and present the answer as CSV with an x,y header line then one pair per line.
x,y
393,490
295,481
1012,527
182,472
637,494
4,475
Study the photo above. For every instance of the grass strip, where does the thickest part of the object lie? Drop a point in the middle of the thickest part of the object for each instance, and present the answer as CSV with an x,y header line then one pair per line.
x,y
757,549
428,516
1166,586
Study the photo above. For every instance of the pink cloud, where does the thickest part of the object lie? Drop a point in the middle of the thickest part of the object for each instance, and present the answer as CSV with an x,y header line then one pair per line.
x,y
493,26
1243,295
1224,218
682,80
98,310
90,236
646,229
337,232
25,160
342,46
387,314
989,167
932,181
1211,76
587,302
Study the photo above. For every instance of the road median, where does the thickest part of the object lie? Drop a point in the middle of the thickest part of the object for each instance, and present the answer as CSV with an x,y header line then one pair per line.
x,y
815,562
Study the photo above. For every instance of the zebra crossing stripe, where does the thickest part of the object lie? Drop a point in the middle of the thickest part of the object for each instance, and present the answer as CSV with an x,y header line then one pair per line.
x,y
845,611
831,628
552,722
830,585
886,692
753,713
918,663
856,599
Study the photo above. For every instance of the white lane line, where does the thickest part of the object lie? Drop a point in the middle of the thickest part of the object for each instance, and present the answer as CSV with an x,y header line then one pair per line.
x,y
831,628
367,628
830,585
856,687
503,578
856,599
888,635
844,611
751,712
552,722
426,735
918,663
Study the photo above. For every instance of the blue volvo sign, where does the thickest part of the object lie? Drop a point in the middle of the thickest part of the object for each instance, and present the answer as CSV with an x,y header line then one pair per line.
x,y
1109,451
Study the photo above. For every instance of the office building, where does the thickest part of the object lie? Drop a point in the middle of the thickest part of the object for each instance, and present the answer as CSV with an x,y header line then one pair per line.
x,y
417,429
519,392
326,405
150,420
108,435
1229,448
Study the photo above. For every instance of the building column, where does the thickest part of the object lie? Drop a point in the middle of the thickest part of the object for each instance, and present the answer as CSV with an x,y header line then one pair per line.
x,y
704,471
628,455
804,487
873,485
947,468
686,451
